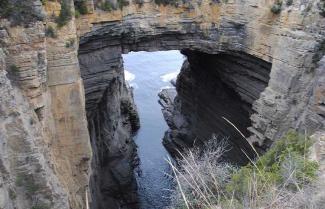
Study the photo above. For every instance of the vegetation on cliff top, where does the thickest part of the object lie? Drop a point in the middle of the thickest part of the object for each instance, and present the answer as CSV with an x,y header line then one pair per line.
x,y
277,7
20,12
107,5
166,2
65,14
80,7
282,178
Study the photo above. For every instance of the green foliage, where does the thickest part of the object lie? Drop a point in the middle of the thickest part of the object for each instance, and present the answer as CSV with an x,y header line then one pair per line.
x,y
319,52
106,6
80,7
31,186
321,7
14,68
70,43
20,12
41,205
276,7
12,194
139,2
50,32
286,157
28,182
289,2
122,3
4,8
166,2
65,14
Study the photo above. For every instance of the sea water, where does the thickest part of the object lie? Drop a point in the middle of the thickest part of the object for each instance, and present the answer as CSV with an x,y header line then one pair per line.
x,y
148,73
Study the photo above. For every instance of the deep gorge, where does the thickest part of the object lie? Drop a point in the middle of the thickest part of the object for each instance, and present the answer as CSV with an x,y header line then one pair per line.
x,y
202,102
217,81
68,117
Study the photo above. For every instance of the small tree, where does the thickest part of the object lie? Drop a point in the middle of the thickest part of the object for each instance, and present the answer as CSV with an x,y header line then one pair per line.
x,y
65,14
276,8
81,7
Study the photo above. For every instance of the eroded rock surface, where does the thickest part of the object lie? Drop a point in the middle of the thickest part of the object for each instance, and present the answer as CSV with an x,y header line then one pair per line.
x,y
112,120
43,83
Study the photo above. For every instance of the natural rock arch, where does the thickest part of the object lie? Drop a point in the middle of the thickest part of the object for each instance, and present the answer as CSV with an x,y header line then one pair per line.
x,y
282,78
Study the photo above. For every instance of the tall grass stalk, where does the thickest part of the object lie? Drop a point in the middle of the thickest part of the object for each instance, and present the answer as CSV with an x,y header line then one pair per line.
x,y
276,180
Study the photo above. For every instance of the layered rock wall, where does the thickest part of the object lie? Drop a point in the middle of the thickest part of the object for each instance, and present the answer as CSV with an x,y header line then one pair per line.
x,y
212,100
288,41
43,127
43,84
112,119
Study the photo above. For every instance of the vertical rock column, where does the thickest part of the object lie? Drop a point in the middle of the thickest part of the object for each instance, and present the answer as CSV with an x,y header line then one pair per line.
x,y
67,124
112,119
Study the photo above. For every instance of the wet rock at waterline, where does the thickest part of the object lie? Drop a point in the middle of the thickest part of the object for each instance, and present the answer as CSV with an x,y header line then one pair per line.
x,y
178,136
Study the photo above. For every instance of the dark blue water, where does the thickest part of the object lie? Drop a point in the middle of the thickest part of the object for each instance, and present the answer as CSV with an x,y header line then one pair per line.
x,y
148,73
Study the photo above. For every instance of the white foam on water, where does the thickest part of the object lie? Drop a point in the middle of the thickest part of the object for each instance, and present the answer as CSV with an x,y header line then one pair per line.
x,y
169,76
129,76
134,85
166,87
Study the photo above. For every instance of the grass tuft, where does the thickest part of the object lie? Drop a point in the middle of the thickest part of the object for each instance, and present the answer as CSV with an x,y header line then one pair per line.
x,y
278,179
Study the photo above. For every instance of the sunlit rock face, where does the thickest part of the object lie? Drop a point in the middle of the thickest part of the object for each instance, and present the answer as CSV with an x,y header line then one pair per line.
x,y
276,80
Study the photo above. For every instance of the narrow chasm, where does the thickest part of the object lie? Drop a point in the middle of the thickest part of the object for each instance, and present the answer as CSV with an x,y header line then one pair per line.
x,y
148,73
213,95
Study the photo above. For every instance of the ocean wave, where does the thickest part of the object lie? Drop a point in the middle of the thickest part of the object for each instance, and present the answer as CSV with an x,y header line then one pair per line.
x,y
134,85
129,76
166,87
169,76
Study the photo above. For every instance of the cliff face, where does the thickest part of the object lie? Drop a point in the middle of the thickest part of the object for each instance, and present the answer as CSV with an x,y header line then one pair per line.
x,y
112,119
289,42
44,137
274,55
260,70
207,99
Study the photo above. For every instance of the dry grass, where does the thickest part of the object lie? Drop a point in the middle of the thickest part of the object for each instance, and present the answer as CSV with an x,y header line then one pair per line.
x,y
205,182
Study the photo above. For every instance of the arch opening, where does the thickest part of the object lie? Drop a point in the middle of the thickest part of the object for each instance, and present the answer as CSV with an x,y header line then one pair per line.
x,y
212,85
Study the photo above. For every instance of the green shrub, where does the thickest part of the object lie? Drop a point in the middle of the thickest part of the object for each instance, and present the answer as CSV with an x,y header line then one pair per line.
x,y
65,14
276,7
28,182
166,2
19,181
50,32
106,6
270,169
139,2
122,3
289,2
278,177
5,8
41,205
80,7
14,68
12,194
20,12
319,52
70,43
321,7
